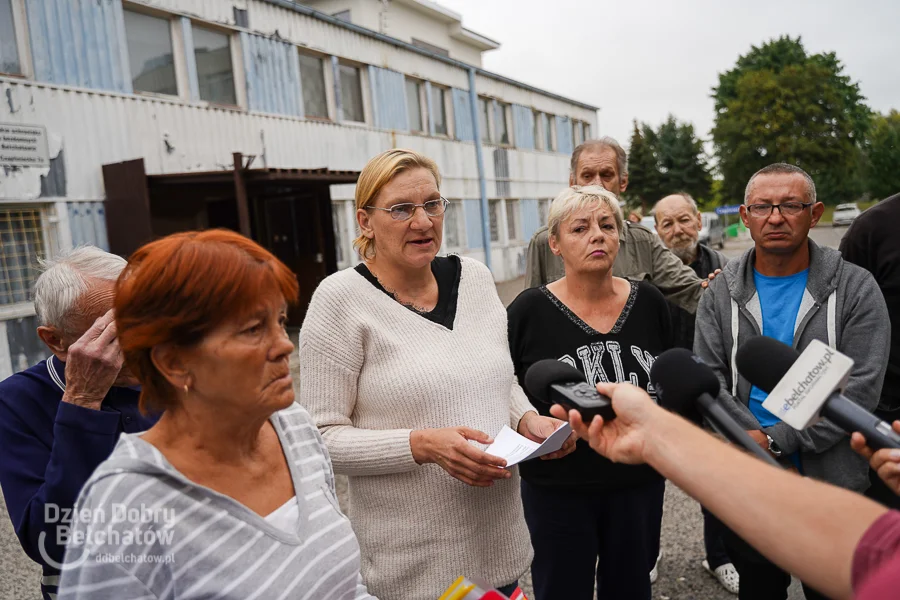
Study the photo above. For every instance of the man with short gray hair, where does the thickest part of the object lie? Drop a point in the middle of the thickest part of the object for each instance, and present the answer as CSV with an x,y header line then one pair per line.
x,y
62,417
641,254
789,288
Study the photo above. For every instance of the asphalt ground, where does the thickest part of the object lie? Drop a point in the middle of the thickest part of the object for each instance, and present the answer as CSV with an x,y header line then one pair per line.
x,y
680,573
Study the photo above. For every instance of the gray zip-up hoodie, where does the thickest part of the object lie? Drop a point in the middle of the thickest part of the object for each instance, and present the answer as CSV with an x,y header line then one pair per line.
x,y
843,307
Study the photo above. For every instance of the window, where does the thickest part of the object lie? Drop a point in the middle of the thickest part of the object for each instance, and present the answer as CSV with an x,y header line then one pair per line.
x,y
414,105
587,131
312,79
439,111
149,41
215,76
536,129
501,124
548,132
22,240
544,210
454,232
513,218
494,213
577,132
484,121
340,231
351,94
430,47
9,51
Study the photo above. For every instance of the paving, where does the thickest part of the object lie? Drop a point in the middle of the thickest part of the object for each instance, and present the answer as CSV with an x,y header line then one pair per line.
x,y
680,573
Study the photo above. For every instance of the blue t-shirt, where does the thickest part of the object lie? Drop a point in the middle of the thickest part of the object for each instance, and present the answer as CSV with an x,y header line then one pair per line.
x,y
780,299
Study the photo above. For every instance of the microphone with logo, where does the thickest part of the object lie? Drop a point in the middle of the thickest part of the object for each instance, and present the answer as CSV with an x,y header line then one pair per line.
x,y
804,388
684,383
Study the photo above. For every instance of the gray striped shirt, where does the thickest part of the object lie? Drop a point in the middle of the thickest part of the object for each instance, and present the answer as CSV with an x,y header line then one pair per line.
x,y
140,529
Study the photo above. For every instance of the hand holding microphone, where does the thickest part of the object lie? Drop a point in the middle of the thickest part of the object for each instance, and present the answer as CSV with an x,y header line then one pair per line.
x,y
885,462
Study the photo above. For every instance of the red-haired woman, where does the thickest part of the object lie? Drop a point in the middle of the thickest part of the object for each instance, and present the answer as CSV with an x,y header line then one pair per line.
x,y
231,493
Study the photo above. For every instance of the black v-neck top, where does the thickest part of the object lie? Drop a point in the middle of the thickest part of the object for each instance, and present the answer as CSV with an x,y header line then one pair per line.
x,y
447,271
541,326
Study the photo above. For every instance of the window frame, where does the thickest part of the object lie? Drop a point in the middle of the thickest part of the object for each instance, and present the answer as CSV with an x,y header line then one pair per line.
x,y
456,205
423,104
550,133
495,204
237,64
179,55
488,114
445,95
505,109
513,209
48,213
23,41
363,92
327,82
536,128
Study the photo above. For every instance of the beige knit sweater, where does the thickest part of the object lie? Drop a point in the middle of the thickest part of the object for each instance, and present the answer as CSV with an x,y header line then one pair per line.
x,y
372,371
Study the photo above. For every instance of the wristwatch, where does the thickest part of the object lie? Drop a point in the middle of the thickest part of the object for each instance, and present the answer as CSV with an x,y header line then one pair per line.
x,y
773,447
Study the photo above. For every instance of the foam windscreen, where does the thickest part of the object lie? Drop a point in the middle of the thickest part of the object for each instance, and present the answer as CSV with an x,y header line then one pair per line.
x,y
542,374
679,378
763,361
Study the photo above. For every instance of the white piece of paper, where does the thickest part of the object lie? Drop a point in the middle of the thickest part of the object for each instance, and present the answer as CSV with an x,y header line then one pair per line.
x,y
517,448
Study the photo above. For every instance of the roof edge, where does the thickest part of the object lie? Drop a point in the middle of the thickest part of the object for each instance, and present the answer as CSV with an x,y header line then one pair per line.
x,y
311,12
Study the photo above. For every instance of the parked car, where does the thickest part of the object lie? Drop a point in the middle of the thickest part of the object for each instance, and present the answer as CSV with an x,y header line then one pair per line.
x,y
713,231
844,214
649,223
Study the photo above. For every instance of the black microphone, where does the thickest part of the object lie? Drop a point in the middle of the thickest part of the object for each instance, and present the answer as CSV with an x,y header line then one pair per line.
x,y
555,382
765,362
682,381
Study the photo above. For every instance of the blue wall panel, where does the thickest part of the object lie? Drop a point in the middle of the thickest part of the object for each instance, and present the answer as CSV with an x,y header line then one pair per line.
x,y
272,71
462,115
523,124
564,135
531,219
388,99
472,208
79,43
87,222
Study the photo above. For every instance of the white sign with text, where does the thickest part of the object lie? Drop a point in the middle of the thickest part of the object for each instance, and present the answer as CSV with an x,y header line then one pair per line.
x,y
23,145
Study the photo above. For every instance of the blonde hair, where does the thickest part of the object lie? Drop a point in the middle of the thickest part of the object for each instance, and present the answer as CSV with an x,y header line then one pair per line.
x,y
578,197
377,173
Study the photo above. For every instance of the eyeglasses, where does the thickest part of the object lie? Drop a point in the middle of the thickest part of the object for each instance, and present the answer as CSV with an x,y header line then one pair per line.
x,y
404,212
787,209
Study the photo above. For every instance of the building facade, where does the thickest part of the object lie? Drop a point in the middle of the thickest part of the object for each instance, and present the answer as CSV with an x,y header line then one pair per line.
x,y
152,116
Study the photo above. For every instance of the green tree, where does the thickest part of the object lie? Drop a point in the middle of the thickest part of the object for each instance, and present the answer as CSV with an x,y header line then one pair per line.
x,y
643,169
681,160
668,160
780,104
883,155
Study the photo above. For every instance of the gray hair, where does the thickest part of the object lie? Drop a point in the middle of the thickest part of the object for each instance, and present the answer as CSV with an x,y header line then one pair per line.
x,y
602,144
577,197
66,278
783,169
687,198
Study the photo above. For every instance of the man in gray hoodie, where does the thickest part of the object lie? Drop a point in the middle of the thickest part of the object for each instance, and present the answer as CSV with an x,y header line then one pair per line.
x,y
789,288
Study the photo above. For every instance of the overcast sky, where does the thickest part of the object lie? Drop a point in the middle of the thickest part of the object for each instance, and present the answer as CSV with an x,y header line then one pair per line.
x,y
645,59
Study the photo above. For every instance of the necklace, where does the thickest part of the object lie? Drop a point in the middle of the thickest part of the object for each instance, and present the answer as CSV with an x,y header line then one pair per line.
x,y
410,305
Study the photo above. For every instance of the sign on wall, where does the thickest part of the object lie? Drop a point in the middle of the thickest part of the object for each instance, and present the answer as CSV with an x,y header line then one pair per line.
x,y
23,145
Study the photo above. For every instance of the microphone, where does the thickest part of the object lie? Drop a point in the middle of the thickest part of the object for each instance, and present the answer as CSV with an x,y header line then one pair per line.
x,y
473,588
804,388
684,383
555,382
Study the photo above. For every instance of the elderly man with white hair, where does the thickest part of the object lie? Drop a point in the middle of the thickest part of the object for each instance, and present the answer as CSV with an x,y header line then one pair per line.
x,y
62,417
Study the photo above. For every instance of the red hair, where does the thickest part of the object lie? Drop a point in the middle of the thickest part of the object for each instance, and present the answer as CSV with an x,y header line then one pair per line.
x,y
177,289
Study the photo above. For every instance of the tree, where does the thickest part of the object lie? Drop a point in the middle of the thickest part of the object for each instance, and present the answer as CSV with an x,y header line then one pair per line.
x,y
643,171
681,160
883,155
780,104
665,161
